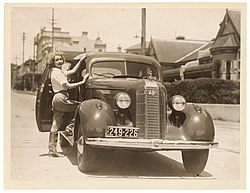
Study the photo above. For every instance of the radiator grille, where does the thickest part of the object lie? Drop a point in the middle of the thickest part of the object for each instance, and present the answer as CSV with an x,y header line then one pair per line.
x,y
150,101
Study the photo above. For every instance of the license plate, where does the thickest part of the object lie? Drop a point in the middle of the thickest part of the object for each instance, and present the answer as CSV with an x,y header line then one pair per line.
x,y
126,132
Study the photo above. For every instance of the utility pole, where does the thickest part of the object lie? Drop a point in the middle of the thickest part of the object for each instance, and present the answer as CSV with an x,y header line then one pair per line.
x,y
143,32
23,50
33,73
16,59
52,38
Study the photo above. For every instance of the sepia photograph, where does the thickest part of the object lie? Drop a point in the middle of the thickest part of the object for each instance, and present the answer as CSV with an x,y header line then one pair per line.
x,y
125,95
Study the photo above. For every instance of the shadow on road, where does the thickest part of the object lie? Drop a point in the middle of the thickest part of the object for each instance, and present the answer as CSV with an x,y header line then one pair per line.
x,y
130,164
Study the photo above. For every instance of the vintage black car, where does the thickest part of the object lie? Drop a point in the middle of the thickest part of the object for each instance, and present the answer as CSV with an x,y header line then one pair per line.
x,y
124,106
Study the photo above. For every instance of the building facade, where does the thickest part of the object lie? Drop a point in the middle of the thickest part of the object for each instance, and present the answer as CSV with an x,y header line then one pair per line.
x,y
63,42
29,73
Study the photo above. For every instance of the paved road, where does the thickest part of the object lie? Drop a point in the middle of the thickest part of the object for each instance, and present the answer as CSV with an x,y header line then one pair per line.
x,y
30,161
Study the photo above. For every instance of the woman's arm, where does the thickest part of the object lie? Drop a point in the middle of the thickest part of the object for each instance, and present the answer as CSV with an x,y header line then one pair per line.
x,y
68,85
72,71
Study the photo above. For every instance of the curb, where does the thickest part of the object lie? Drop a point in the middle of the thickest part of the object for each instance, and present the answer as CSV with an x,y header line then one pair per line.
x,y
223,112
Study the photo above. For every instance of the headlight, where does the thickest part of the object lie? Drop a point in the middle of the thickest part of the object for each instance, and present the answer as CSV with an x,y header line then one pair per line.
x,y
178,103
123,100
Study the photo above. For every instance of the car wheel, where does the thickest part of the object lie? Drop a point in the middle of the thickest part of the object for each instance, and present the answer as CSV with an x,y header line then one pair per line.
x,y
85,154
195,160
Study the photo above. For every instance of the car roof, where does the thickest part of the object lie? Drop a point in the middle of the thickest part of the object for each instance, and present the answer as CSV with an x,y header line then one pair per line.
x,y
118,55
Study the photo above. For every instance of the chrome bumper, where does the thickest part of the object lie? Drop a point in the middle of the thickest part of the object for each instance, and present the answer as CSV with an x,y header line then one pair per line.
x,y
149,144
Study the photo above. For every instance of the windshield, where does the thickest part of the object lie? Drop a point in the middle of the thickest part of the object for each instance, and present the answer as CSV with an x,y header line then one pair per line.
x,y
116,69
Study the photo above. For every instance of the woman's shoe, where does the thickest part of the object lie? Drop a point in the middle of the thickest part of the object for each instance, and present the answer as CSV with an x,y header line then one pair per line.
x,y
55,154
52,145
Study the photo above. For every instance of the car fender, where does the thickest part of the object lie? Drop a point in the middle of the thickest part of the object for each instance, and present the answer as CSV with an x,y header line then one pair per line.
x,y
198,124
94,116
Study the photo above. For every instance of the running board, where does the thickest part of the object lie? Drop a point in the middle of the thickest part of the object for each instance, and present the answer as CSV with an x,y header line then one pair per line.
x,y
69,138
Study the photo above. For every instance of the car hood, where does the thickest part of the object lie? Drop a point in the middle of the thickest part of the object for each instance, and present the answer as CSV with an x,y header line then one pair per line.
x,y
116,83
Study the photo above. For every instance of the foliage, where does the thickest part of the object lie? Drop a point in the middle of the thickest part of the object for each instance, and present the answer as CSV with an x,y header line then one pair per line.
x,y
206,90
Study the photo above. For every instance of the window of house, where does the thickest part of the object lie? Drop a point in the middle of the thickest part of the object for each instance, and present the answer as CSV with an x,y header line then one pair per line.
x,y
228,69
217,70
239,70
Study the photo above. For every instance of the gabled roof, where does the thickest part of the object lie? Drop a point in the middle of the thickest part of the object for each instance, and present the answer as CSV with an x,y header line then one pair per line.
x,y
235,17
170,51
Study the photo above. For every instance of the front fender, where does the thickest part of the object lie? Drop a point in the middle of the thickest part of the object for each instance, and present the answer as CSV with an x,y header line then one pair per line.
x,y
94,116
198,124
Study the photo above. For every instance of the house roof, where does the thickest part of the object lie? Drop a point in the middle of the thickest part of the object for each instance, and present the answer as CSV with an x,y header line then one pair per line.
x,y
225,41
195,54
137,46
170,51
235,17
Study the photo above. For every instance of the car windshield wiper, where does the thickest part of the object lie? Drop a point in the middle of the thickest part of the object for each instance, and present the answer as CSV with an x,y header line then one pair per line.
x,y
127,76
106,74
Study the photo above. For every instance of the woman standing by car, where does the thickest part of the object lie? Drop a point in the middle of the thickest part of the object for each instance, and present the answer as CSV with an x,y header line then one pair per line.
x,y
61,102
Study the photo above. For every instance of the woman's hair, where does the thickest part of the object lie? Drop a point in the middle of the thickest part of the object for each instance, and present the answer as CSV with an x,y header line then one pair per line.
x,y
52,58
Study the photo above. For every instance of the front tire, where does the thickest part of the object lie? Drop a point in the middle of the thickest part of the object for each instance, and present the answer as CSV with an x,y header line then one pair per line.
x,y
195,160
86,155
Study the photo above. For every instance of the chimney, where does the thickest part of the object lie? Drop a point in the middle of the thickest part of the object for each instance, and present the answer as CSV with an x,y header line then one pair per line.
x,y
83,43
180,38
84,33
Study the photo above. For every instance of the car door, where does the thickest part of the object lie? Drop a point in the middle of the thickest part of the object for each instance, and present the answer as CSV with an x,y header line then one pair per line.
x,y
44,98
44,113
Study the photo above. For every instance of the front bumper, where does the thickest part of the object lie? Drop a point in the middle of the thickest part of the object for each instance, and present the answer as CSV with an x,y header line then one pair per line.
x,y
149,144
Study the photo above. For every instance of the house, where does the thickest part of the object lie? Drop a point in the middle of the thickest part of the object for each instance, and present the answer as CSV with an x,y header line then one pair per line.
x,y
172,54
222,59
219,58
226,50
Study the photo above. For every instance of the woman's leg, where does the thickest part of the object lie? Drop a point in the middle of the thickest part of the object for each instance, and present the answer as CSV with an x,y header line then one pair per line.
x,y
56,124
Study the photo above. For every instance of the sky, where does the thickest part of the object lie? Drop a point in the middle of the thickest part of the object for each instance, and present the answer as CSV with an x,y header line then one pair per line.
x,y
116,25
